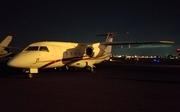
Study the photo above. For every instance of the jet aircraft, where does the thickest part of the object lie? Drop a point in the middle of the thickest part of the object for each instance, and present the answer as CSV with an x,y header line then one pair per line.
x,y
4,51
55,54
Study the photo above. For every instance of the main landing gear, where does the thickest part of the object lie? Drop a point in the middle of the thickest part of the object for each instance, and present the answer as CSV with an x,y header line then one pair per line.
x,y
90,68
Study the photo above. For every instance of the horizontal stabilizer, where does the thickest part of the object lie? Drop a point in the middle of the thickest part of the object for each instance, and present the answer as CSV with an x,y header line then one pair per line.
x,y
114,33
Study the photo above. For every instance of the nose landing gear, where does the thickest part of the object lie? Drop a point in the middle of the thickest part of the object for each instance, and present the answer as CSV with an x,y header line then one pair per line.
x,y
29,72
29,76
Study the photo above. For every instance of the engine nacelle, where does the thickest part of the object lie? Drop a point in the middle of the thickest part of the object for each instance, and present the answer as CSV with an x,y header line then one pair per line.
x,y
94,51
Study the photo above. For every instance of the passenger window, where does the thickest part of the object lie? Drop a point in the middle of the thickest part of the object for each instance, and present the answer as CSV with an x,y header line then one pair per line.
x,y
32,48
43,48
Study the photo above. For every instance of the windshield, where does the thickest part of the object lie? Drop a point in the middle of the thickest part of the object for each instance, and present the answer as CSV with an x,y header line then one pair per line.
x,y
37,48
32,48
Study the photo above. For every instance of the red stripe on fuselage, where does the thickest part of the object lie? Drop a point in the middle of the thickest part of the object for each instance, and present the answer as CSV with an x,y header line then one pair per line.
x,y
66,59
50,63
72,60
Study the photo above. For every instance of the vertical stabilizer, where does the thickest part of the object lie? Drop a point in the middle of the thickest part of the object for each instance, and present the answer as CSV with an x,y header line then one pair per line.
x,y
108,47
109,38
6,41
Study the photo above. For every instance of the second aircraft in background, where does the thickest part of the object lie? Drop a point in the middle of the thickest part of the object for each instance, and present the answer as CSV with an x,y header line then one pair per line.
x,y
4,50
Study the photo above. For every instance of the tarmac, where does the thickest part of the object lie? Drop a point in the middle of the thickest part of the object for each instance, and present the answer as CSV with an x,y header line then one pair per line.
x,y
114,87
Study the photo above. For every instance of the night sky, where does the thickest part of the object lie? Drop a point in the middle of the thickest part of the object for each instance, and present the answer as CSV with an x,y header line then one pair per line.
x,y
29,21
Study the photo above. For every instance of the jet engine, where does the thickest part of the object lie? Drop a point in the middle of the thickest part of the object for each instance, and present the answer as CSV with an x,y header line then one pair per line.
x,y
94,51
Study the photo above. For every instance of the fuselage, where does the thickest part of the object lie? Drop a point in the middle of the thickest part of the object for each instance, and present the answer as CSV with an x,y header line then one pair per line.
x,y
54,54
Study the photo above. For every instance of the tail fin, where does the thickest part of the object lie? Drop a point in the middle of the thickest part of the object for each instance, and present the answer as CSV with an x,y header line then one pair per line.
x,y
109,38
6,41
108,48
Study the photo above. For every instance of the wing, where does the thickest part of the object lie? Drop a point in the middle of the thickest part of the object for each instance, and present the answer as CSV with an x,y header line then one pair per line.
x,y
137,43
4,55
11,47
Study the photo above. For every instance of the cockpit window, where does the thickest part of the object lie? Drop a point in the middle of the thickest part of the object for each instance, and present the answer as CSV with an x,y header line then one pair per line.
x,y
43,48
37,48
32,48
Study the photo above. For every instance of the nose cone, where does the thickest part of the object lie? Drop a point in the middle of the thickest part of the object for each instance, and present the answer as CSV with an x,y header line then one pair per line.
x,y
16,61
22,60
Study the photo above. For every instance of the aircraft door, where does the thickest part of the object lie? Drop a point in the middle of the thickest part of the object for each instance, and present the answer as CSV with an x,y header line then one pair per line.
x,y
57,52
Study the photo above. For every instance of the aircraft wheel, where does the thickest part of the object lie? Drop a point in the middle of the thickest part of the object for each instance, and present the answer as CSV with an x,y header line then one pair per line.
x,y
90,69
29,75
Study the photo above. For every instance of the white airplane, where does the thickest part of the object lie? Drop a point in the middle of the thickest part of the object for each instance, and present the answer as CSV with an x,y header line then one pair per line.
x,y
53,54
4,47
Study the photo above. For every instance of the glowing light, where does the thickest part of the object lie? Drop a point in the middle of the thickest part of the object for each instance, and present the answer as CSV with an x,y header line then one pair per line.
x,y
154,60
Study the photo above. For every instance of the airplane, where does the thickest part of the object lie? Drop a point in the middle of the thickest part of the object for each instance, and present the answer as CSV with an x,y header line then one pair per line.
x,y
4,51
55,54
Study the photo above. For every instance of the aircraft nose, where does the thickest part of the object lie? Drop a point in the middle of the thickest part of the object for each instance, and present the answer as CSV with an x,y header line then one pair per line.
x,y
14,62
11,63
19,61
